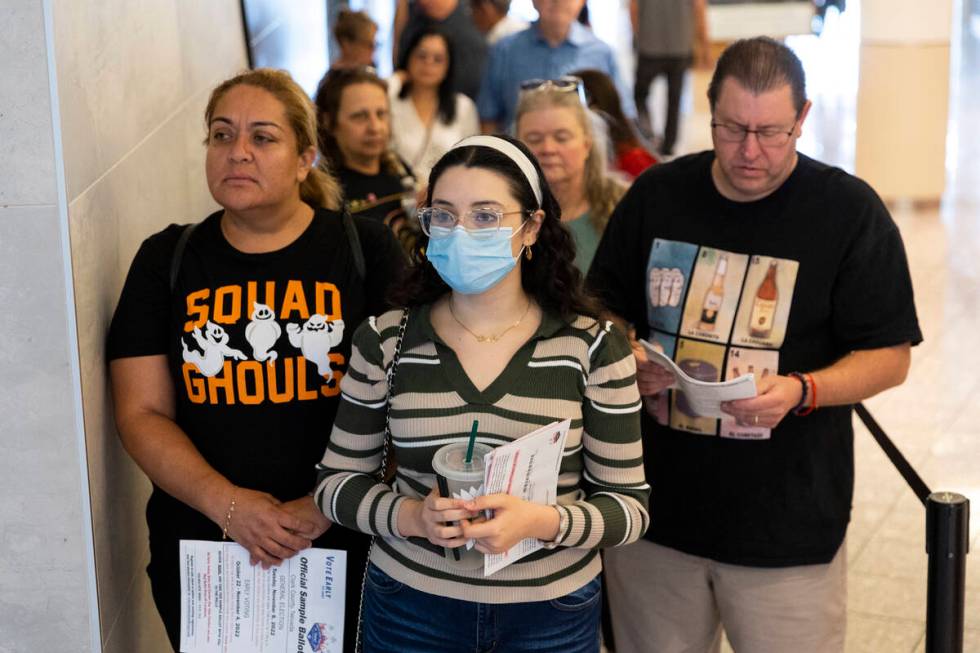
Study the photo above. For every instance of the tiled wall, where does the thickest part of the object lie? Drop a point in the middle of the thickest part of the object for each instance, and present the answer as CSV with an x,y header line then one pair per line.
x,y
46,581
133,78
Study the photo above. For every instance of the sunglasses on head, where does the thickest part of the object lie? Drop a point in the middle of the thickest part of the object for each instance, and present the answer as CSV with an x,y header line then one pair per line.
x,y
565,83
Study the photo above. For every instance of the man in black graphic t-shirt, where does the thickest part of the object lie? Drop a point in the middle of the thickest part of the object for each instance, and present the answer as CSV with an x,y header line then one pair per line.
x,y
751,258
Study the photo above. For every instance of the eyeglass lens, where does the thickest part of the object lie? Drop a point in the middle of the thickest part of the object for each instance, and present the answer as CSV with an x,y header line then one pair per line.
x,y
439,223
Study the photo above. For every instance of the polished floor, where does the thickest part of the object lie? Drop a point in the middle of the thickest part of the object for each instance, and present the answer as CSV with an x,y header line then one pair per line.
x,y
935,416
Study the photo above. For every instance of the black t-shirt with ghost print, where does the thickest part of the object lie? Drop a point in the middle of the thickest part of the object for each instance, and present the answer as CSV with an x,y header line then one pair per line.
x,y
257,345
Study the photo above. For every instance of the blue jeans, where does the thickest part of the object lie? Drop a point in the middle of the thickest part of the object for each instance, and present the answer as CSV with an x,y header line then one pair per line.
x,y
400,619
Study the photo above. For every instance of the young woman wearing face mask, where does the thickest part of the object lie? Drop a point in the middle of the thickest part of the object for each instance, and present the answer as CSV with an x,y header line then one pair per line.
x,y
499,331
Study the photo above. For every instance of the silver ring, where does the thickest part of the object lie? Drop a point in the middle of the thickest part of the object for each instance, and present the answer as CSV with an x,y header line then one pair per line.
x,y
756,421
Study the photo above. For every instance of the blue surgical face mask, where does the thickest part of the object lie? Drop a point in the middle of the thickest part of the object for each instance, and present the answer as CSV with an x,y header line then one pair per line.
x,y
472,264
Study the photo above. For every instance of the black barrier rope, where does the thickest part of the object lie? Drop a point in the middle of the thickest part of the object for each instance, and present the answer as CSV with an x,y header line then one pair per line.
x,y
901,464
947,543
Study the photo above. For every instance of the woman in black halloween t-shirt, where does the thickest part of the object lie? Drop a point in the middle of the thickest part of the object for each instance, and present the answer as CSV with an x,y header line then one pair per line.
x,y
231,337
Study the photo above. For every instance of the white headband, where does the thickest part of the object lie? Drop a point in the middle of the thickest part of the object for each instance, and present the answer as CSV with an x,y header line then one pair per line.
x,y
511,152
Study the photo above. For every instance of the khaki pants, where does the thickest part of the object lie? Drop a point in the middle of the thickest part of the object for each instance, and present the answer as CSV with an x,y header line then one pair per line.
x,y
665,601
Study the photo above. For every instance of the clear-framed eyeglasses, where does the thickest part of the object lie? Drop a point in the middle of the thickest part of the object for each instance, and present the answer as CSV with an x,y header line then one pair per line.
x,y
483,222
767,136
566,83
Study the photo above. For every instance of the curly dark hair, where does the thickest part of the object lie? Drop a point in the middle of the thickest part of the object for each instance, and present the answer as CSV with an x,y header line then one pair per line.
x,y
447,88
550,277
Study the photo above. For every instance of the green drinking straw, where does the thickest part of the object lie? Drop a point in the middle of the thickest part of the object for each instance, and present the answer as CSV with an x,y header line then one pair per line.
x,y
469,447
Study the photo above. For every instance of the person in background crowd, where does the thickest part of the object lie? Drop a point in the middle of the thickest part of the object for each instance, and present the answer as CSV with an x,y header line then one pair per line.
x,y
355,33
493,302
454,19
354,126
493,19
665,33
229,342
751,257
427,115
629,155
560,131
551,47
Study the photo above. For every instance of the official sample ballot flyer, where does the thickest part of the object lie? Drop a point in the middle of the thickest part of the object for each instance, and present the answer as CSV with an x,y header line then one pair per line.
x,y
230,606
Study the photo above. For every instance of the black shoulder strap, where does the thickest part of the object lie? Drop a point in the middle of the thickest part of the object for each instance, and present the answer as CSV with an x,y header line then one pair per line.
x,y
179,253
355,243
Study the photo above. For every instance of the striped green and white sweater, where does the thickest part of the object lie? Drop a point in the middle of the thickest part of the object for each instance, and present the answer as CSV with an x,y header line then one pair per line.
x,y
583,371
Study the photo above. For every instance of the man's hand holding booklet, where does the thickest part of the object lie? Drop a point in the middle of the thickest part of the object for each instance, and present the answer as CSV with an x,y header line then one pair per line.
x,y
703,397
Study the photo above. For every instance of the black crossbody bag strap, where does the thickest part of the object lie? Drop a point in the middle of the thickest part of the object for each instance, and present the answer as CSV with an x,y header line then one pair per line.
x,y
385,453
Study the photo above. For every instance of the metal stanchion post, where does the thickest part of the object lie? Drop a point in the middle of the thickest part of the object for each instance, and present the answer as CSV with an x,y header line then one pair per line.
x,y
947,543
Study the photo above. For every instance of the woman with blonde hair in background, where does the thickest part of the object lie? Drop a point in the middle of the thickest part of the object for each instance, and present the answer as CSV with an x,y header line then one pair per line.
x,y
561,132
231,336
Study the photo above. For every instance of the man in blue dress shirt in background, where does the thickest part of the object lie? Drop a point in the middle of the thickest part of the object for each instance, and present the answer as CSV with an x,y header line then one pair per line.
x,y
554,45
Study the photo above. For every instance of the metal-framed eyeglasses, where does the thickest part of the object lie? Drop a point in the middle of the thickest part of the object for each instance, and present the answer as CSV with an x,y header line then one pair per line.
x,y
482,222
567,83
767,136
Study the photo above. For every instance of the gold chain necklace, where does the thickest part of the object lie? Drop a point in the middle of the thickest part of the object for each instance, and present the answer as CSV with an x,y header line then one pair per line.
x,y
491,338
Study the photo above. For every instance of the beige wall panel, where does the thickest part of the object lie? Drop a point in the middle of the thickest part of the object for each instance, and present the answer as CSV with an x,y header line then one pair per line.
x,y
138,628
134,79
903,99
119,77
906,21
125,66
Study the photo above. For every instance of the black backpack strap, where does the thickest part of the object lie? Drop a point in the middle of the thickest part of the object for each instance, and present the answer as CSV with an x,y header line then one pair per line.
x,y
355,242
179,254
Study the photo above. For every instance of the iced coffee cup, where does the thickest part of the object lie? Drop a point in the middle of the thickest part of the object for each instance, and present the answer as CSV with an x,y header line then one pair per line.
x,y
458,479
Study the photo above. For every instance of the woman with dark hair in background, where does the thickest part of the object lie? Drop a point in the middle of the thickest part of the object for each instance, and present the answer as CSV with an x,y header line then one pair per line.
x,y
497,329
629,155
354,129
355,33
231,336
428,116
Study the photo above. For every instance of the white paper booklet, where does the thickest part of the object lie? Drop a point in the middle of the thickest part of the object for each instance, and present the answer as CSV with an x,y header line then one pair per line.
x,y
704,397
526,468
229,606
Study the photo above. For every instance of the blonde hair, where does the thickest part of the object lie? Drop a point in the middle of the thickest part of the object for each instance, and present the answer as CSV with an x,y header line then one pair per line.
x,y
602,191
319,188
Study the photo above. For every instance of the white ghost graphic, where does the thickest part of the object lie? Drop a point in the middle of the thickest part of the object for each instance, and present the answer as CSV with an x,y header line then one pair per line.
x,y
214,344
316,338
262,333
